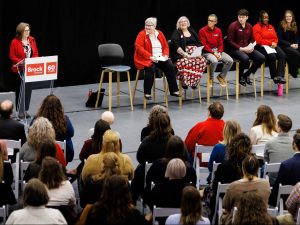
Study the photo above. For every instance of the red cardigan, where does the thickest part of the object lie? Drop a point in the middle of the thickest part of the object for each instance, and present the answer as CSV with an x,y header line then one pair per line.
x,y
264,34
16,51
143,49
60,155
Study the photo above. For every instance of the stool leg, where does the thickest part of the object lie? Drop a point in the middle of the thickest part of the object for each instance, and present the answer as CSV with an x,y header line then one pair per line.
x,y
208,84
262,76
109,90
153,89
129,89
237,81
287,79
135,83
166,88
99,88
118,88
226,88
180,92
254,85
199,93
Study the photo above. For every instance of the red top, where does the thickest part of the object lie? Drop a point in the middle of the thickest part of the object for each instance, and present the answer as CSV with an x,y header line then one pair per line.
x,y
208,132
264,34
143,49
60,155
211,38
16,51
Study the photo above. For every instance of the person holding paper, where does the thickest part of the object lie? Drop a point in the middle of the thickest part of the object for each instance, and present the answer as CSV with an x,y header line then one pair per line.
x,y
241,47
211,37
267,40
151,52
186,53
288,37
21,47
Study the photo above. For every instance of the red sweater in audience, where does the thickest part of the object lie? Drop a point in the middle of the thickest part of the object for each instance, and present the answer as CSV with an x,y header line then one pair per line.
x,y
60,155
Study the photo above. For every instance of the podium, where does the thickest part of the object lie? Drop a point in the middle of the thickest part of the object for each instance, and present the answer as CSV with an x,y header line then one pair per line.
x,y
33,70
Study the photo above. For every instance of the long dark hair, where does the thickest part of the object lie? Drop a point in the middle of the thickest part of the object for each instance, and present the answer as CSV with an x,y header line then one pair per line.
x,y
100,127
266,118
161,127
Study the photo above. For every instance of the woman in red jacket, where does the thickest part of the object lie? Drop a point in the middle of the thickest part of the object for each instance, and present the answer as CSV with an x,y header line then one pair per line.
x,y
266,38
151,52
21,47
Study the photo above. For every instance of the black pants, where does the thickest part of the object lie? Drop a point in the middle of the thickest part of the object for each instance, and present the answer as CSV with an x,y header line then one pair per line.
x,y
256,57
275,71
168,68
292,58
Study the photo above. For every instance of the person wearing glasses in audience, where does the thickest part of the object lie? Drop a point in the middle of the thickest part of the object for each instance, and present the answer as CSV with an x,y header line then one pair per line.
x,y
151,52
288,40
267,44
21,47
184,42
211,37
239,39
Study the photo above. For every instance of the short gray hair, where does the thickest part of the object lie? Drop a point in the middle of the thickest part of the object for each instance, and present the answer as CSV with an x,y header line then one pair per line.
x,y
151,20
182,18
176,169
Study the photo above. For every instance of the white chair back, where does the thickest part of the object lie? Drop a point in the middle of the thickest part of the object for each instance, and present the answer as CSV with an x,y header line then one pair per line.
x,y
163,212
298,217
16,171
3,213
63,146
258,150
282,190
147,167
219,201
23,168
215,167
271,168
12,144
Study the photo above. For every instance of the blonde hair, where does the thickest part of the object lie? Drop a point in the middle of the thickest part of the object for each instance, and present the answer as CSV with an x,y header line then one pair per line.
x,y
20,29
176,169
41,129
111,142
152,21
182,18
3,156
231,129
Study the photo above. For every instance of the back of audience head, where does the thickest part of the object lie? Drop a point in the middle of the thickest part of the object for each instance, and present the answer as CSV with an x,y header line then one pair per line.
x,y
191,206
284,123
3,156
154,112
100,127
231,129
46,148
216,110
111,142
6,109
110,166
51,174
252,210
41,129
108,116
115,198
35,193
176,169
296,141
250,167
176,148
266,118
182,18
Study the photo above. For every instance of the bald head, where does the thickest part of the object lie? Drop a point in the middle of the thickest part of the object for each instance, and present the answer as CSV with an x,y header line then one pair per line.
x,y
6,108
108,116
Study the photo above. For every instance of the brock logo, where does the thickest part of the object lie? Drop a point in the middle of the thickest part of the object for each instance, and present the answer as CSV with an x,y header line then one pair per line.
x,y
51,68
35,69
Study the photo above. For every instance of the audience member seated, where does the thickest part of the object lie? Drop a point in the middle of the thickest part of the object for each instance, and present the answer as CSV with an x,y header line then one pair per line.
x,y
111,143
264,126
249,183
115,205
35,198
231,129
208,132
279,148
239,36
231,169
252,209
211,37
106,116
266,38
154,145
184,41
288,40
46,148
152,52
6,178
9,128
60,190
289,171
52,109
191,209
40,130
154,112
93,186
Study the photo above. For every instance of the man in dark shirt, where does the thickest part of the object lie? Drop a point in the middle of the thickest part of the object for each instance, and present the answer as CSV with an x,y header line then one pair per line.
x,y
239,36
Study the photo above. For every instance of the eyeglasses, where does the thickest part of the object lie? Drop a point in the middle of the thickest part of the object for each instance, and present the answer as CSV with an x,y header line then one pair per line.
x,y
26,30
213,21
149,25
183,21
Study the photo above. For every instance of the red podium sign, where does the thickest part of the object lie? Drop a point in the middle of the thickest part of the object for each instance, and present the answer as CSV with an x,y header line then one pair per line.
x,y
41,68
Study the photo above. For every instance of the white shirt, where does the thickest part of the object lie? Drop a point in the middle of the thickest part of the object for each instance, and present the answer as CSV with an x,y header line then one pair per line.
x,y
63,195
257,136
174,220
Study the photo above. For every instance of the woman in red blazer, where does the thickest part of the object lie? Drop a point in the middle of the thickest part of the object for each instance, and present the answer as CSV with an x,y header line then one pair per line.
x,y
151,52
21,47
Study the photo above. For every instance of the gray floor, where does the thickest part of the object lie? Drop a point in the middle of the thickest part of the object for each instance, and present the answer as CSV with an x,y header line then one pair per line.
x,y
129,123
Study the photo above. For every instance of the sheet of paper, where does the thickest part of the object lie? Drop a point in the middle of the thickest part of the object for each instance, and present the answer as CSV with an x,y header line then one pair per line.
x,y
197,52
161,58
269,50
251,45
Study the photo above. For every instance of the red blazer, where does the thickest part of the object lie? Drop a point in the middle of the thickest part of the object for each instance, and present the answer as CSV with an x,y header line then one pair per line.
x,y
264,34
16,51
143,49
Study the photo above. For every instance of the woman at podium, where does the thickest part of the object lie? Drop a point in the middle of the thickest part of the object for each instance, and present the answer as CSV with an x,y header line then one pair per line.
x,y
21,47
